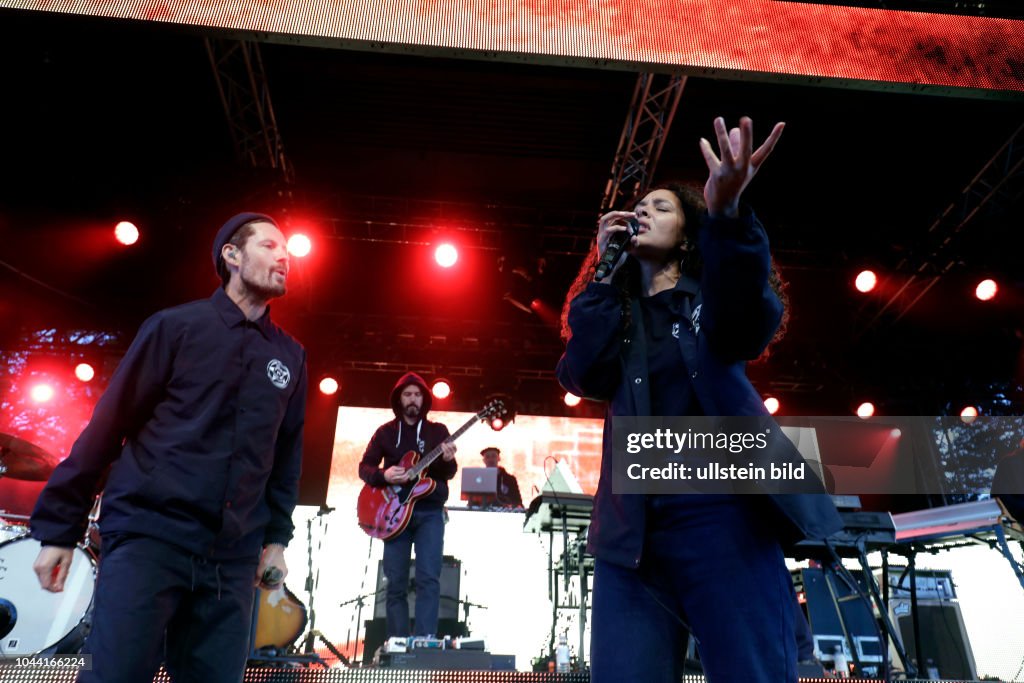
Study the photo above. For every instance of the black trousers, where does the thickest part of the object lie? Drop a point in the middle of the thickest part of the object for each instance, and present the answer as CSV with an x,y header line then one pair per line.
x,y
155,602
713,566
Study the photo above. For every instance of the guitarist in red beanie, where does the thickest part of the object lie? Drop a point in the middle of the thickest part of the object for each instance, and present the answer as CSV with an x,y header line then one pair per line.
x,y
380,467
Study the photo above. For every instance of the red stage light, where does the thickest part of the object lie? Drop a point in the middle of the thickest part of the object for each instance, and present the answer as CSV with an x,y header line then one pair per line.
x,y
299,245
41,393
328,386
968,414
497,424
84,372
441,389
446,255
866,409
571,400
866,281
772,404
986,290
126,233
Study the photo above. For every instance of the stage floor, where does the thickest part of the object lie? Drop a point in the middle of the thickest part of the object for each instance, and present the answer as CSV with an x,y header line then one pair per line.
x,y
24,674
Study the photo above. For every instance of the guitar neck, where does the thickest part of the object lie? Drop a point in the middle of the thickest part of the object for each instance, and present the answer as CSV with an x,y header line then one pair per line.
x,y
430,457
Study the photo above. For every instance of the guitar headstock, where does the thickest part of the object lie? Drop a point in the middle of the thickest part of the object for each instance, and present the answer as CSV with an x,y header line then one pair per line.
x,y
494,408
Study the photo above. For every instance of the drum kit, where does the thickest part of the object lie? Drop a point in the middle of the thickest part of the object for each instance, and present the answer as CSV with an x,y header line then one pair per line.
x,y
34,621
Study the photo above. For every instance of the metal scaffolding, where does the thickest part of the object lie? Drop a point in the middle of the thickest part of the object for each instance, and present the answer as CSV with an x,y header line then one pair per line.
x,y
242,83
999,183
650,116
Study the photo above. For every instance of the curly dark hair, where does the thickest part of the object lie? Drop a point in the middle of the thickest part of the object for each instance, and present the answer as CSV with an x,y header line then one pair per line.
x,y
627,278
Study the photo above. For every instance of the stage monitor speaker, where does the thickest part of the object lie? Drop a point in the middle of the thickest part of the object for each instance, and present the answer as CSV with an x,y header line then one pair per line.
x,y
944,639
831,603
451,570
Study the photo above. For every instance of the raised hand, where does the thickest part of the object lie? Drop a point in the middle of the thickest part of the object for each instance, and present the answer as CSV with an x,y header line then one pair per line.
x,y
729,175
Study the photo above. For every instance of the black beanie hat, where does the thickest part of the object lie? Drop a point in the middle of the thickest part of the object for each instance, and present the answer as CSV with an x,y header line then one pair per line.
x,y
228,230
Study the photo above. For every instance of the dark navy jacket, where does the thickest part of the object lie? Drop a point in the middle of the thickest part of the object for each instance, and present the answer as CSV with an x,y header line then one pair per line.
x,y
730,316
202,421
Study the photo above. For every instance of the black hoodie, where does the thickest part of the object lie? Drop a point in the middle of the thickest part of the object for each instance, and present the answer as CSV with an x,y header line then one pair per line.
x,y
395,438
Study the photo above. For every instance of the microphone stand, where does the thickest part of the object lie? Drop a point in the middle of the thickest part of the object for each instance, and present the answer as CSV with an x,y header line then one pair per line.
x,y
358,601
311,584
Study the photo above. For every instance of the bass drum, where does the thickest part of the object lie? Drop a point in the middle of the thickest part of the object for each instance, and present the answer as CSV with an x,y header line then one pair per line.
x,y
36,621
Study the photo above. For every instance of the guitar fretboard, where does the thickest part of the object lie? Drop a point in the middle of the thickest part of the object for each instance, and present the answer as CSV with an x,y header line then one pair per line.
x,y
430,457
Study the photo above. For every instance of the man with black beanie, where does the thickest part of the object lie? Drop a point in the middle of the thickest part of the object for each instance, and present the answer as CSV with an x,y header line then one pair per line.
x,y
201,428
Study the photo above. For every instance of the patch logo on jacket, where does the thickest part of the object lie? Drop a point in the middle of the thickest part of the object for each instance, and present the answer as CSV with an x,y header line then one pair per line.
x,y
675,330
278,373
695,319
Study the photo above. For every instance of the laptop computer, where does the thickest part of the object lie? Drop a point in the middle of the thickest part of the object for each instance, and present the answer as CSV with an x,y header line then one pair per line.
x,y
477,481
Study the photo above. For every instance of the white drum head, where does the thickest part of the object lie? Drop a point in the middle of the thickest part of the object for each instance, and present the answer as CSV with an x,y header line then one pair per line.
x,y
43,618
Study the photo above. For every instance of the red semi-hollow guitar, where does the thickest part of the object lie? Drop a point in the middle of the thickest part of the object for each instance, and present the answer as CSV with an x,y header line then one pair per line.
x,y
384,512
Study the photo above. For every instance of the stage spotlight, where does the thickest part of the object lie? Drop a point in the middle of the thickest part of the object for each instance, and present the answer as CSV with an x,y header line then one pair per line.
x,y
84,372
571,399
968,414
328,386
509,297
441,389
299,245
866,409
497,424
772,404
547,314
41,393
986,290
896,433
126,233
446,255
522,281
865,281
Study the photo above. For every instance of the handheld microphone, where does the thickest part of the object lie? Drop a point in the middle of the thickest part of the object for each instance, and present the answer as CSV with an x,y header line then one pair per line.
x,y
613,252
272,576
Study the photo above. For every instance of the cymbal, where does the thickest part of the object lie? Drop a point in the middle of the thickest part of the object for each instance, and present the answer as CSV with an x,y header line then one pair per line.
x,y
20,459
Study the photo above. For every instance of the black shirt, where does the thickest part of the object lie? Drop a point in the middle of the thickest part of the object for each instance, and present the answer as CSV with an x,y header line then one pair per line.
x,y
671,391
202,421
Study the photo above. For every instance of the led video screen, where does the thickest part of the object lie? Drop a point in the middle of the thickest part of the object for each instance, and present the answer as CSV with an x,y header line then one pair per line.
x,y
765,39
530,448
